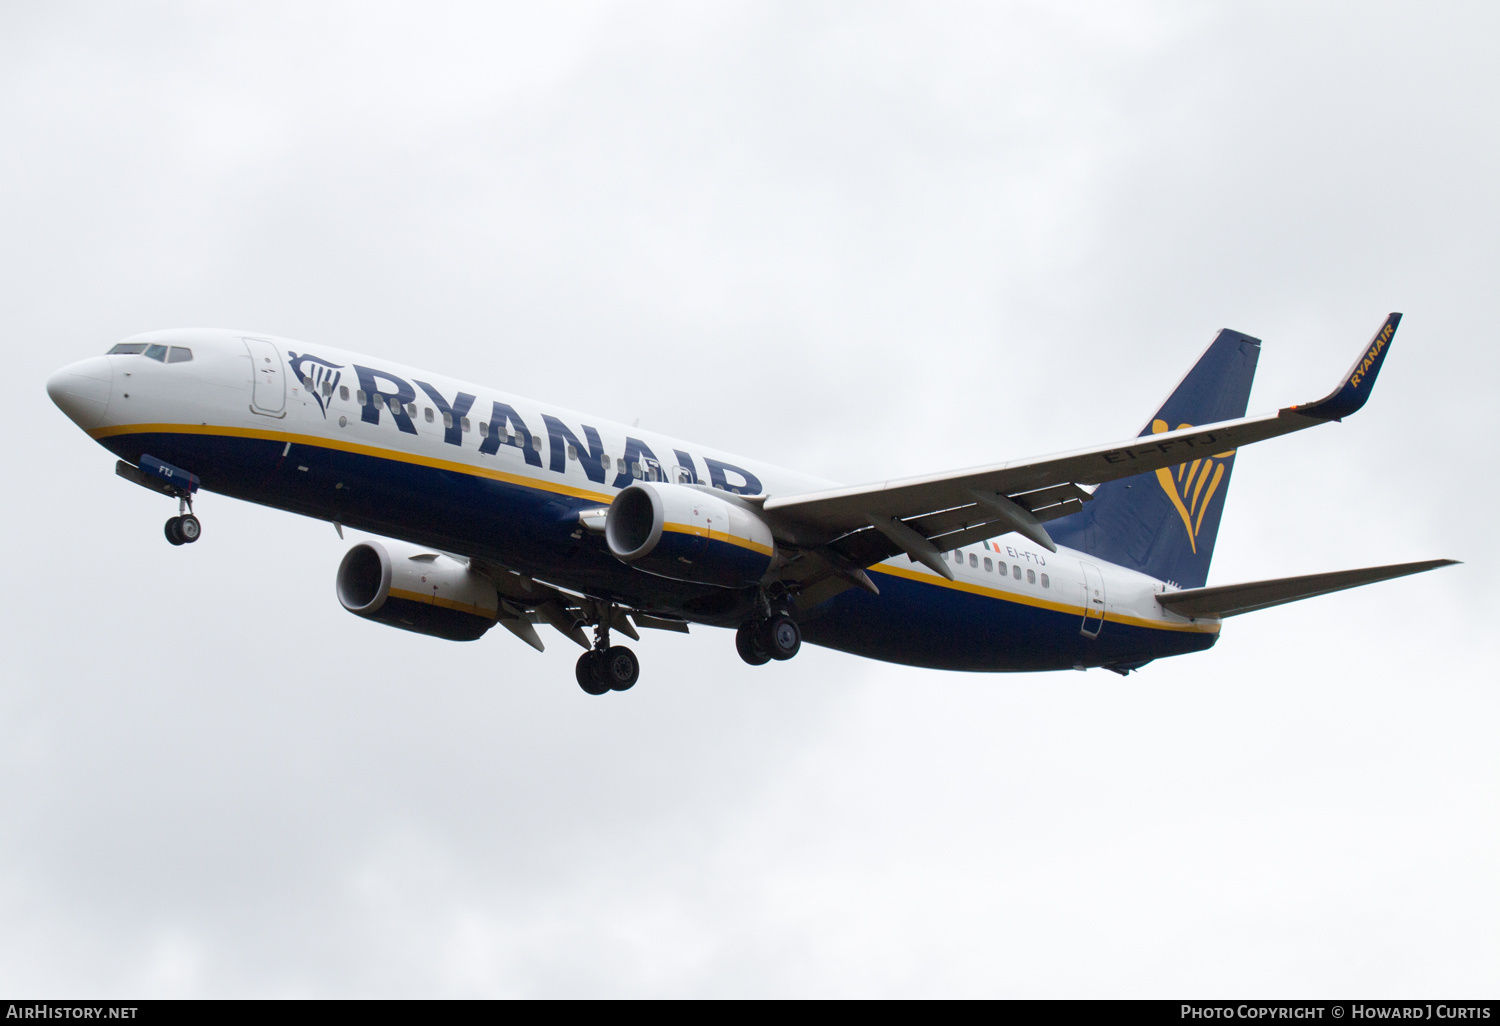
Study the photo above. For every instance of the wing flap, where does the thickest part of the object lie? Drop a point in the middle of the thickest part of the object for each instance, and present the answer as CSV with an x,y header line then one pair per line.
x,y
1234,599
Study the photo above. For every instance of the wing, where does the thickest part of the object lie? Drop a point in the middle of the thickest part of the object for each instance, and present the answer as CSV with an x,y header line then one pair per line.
x,y
925,516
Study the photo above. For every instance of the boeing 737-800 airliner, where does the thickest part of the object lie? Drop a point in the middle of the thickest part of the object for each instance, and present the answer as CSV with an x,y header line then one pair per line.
x,y
499,509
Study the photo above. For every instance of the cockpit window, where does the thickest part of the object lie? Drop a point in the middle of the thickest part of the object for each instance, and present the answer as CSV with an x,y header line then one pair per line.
x,y
127,349
158,353
177,354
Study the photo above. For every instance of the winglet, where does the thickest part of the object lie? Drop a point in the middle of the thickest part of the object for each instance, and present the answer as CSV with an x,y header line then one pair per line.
x,y
1356,386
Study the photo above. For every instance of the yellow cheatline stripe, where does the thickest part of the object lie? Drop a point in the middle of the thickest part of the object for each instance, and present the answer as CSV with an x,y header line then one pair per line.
x,y
433,600
531,482
338,444
1039,603
728,539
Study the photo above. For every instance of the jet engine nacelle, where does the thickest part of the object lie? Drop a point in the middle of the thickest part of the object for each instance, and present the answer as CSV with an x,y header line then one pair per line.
x,y
416,590
688,535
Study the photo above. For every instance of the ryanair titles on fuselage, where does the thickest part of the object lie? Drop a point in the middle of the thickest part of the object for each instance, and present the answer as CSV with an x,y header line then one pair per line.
x,y
388,393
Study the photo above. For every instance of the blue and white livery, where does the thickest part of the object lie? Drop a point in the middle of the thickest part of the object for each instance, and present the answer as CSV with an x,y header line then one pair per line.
x,y
502,510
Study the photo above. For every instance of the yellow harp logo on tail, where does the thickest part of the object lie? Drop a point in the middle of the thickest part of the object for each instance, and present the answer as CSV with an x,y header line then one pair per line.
x,y
1191,486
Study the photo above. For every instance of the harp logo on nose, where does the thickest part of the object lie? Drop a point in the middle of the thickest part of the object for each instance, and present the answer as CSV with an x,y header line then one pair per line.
x,y
1191,486
317,375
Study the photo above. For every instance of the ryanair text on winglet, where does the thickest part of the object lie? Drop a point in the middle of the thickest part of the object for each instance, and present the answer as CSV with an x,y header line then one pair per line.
x,y
1369,360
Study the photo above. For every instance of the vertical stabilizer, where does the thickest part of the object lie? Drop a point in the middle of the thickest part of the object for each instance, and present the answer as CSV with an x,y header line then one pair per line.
x,y
1165,523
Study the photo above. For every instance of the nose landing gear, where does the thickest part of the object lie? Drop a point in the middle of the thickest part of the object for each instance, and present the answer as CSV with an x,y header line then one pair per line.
x,y
606,667
183,529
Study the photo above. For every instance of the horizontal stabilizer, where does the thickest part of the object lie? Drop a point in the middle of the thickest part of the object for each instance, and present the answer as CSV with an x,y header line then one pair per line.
x,y
1234,599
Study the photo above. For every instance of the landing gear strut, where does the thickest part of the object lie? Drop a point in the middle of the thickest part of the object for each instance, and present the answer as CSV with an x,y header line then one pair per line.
x,y
606,667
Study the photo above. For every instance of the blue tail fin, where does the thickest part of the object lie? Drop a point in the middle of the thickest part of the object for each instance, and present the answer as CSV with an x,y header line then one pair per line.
x,y
1164,524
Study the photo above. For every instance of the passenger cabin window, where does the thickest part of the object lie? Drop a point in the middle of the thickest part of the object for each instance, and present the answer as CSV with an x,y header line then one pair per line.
x,y
572,452
344,393
427,413
1031,577
127,349
158,353
178,354
360,397
447,419
604,461
466,425
327,387
1003,569
988,566
1016,572
973,560
484,428
1046,583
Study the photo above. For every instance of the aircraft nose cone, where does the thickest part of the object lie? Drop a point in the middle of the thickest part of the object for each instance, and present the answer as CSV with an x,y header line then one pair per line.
x,y
82,390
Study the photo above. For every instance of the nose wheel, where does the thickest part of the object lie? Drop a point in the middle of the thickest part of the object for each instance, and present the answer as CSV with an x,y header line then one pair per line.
x,y
183,530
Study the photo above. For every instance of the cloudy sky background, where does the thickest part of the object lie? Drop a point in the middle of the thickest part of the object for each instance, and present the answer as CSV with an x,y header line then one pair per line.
x,y
861,240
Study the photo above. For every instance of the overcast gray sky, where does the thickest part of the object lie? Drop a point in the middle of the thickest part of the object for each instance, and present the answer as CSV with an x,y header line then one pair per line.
x,y
857,239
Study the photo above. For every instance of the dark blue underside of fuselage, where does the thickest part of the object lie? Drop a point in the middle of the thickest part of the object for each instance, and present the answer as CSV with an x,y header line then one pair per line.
x,y
536,532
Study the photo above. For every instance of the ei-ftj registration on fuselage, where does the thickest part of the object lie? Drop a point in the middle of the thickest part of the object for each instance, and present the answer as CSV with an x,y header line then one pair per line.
x,y
497,509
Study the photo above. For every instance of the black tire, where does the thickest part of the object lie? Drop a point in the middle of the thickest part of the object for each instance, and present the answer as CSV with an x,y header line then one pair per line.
x,y
749,646
171,531
189,529
588,672
780,637
620,668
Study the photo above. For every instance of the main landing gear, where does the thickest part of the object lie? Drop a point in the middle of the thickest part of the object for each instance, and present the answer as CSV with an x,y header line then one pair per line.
x,y
773,637
607,667
183,529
